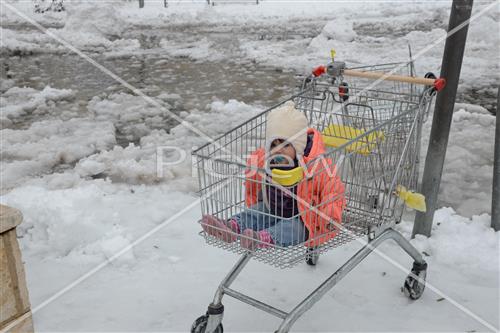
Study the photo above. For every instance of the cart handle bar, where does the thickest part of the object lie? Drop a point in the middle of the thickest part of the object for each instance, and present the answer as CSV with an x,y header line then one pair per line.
x,y
438,84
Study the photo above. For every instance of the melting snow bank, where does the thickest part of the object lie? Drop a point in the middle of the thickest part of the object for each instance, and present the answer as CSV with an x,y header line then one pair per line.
x,y
32,42
74,222
80,220
468,169
48,144
87,28
452,234
18,103
162,156
87,146
91,220
382,34
277,35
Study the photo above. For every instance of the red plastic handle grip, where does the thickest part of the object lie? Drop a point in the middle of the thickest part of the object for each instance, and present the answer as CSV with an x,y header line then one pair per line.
x,y
318,71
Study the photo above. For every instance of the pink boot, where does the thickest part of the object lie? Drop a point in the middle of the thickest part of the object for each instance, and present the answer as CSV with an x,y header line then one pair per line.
x,y
224,230
251,239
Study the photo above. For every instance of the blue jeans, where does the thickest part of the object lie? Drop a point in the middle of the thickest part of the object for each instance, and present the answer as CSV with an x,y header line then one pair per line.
x,y
283,231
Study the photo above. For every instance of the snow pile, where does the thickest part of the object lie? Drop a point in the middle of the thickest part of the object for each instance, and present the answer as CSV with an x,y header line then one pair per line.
x,y
17,103
452,233
16,42
72,231
468,168
21,42
339,30
49,144
133,116
114,245
481,63
194,49
95,219
362,33
87,27
86,18
365,37
162,156
10,17
99,30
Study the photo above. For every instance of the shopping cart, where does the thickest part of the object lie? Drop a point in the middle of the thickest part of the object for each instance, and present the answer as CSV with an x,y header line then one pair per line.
x,y
370,119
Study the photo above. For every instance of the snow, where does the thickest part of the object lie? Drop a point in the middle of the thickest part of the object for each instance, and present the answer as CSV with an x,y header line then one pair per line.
x,y
339,30
468,169
356,32
194,49
172,275
95,34
138,164
48,144
98,35
92,178
19,102
452,233
132,115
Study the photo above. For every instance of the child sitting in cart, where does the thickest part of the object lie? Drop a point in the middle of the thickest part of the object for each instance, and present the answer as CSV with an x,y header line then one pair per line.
x,y
285,215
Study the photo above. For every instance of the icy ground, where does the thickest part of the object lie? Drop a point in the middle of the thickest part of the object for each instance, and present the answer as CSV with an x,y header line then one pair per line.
x,y
79,160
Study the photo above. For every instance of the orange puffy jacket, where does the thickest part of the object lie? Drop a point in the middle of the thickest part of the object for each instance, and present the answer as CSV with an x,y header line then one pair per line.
x,y
323,192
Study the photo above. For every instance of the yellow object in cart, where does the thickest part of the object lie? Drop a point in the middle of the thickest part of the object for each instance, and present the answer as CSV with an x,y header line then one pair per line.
x,y
336,135
411,199
287,177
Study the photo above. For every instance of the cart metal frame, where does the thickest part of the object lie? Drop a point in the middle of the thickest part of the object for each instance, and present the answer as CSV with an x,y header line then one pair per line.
x,y
215,310
378,228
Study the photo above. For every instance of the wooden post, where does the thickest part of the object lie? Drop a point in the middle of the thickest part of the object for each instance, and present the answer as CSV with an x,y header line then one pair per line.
x,y
443,113
15,313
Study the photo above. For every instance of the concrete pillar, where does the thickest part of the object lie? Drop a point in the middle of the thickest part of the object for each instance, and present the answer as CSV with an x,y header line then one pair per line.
x,y
15,313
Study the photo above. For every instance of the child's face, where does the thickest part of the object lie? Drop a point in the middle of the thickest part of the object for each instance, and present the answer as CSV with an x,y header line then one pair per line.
x,y
281,147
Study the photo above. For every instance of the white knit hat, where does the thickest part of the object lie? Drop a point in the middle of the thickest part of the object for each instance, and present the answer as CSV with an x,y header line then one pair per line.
x,y
287,123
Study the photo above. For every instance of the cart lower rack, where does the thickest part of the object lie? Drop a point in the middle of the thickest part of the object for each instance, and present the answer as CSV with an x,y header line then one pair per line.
x,y
357,186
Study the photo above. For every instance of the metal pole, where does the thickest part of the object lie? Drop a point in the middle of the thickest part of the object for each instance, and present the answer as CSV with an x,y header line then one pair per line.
x,y
141,3
495,199
443,113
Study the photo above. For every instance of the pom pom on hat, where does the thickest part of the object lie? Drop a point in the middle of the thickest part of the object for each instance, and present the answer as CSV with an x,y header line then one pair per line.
x,y
287,123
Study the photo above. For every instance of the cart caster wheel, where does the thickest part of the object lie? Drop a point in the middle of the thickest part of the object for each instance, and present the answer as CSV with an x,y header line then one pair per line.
x,y
312,257
200,325
414,288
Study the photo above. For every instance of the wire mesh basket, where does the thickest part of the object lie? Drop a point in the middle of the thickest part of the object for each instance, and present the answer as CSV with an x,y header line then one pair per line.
x,y
371,137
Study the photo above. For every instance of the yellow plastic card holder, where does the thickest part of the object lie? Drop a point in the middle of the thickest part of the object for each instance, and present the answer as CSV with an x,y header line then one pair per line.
x,y
411,199
336,135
